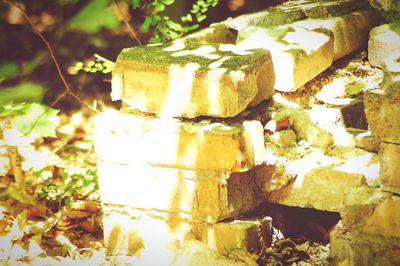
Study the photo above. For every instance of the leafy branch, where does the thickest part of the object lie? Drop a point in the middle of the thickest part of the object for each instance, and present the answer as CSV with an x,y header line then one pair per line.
x,y
165,29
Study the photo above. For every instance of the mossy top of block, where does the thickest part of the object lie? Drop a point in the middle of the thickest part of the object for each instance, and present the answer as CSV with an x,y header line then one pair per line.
x,y
207,56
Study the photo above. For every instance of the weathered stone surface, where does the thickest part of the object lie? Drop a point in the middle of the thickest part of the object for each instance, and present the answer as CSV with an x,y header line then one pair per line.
x,y
216,33
383,114
389,156
151,239
194,253
292,11
383,44
390,9
251,235
202,195
298,54
357,248
190,80
387,5
137,139
365,140
329,182
385,219
127,231
350,31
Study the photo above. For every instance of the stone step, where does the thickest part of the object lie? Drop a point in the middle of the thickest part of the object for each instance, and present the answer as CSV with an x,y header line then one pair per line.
x,y
298,54
138,139
128,231
196,195
190,80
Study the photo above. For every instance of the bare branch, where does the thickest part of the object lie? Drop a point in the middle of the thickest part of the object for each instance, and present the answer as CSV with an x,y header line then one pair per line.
x,y
53,57
134,36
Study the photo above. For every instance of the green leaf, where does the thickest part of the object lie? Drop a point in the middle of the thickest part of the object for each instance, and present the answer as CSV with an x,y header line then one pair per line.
x,y
159,7
95,15
23,92
167,2
173,25
13,109
135,3
200,17
147,23
67,201
8,70
39,119
187,18
190,28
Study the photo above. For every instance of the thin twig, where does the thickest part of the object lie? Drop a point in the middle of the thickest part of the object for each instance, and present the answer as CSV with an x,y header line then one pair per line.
x,y
99,57
53,57
127,23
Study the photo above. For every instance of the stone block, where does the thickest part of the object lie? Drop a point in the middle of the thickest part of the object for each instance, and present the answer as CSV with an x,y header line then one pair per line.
x,y
328,182
197,195
379,215
383,44
128,231
191,80
195,253
390,9
354,248
292,11
298,54
150,238
350,30
251,235
383,115
138,139
385,219
389,157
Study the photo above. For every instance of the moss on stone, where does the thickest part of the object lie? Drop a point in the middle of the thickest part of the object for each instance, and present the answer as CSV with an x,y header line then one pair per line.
x,y
161,56
395,27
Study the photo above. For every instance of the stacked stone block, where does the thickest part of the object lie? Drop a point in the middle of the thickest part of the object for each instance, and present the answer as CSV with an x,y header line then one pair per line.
x,y
369,233
182,156
183,178
383,105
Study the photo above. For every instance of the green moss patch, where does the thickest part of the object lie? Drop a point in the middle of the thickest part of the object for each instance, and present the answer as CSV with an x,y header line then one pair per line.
x,y
161,55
